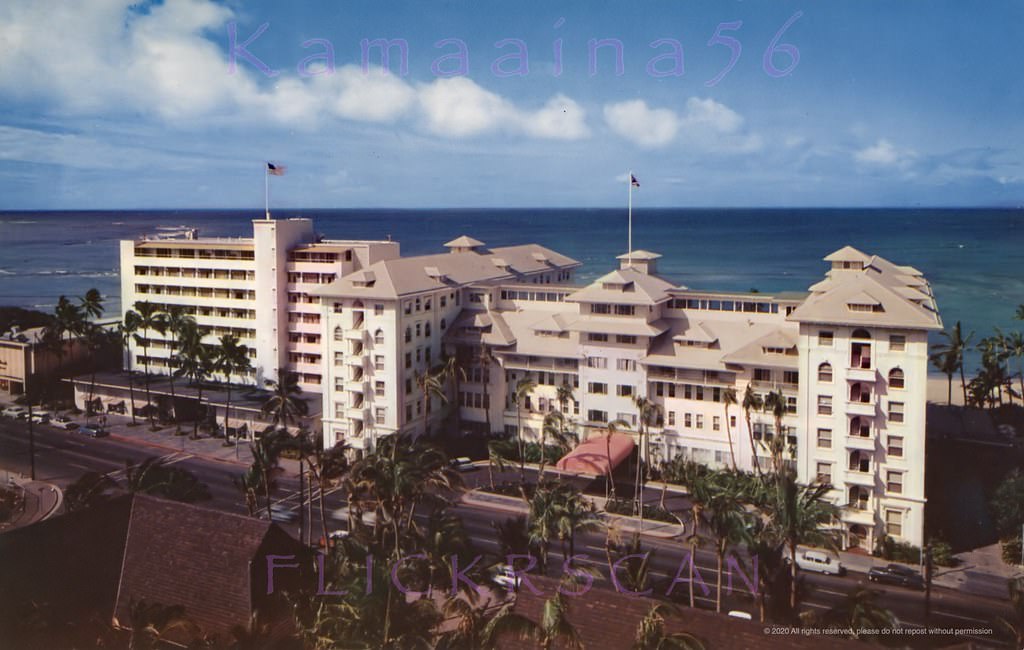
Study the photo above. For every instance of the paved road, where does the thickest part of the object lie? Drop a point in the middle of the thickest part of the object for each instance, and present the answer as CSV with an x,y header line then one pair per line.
x,y
62,457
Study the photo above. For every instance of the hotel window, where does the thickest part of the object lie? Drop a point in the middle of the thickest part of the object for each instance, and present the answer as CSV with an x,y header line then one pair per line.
x,y
626,364
894,482
380,414
894,523
378,309
597,388
825,373
699,393
444,324
597,338
824,405
339,334
628,418
896,378
339,410
378,389
339,383
825,339
824,438
407,308
716,423
700,420
597,416
408,412
426,330
419,354
600,309
337,308
378,337
418,305
408,386
671,418
896,446
419,329
688,420
378,362
597,362
896,412
624,338
732,421
408,334
444,301
339,358
624,390
791,377
897,343
824,474
625,310
791,405
426,304
408,360
762,374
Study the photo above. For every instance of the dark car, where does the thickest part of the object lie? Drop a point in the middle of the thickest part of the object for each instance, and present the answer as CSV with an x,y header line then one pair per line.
x,y
896,574
93,431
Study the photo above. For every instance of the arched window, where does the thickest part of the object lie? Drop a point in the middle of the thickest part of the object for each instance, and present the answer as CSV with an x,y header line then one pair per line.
x,y
896,378
861,333
339,334
825,372
426,330
357,304
378,337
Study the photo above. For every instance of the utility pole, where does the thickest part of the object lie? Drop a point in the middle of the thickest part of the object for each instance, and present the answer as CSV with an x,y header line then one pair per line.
x,y
31,442
928,583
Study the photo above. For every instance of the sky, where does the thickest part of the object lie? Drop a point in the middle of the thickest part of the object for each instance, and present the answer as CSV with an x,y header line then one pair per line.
x,y
111,104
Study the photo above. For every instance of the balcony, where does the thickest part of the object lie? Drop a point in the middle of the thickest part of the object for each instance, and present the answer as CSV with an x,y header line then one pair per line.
x,y
866,409
860,443
855,477
852,514
361,413
856,373
356,335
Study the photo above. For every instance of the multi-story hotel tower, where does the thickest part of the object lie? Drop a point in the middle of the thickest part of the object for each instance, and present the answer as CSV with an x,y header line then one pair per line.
x,y
361,325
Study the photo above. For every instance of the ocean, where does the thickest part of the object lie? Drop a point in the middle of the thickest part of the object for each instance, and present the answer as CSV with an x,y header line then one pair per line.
x,y
973,258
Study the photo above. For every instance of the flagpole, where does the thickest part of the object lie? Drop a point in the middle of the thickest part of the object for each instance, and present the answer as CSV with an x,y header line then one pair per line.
x,y
629,252
266,190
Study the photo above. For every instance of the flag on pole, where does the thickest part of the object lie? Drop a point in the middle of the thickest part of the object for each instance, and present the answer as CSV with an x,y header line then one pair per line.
x,y
278,170
633,181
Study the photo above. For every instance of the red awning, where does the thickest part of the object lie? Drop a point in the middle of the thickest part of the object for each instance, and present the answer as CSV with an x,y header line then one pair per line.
x,y
593,455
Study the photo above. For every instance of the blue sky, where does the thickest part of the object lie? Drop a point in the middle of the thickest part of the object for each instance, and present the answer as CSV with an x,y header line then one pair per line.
x,y
118,104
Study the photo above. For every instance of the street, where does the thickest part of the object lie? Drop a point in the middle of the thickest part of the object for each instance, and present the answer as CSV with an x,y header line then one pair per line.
x,y
61,457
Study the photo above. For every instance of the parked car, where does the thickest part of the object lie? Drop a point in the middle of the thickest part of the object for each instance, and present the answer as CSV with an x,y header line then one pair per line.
x,y
506,577
820,562
14,411
41,417
283,513
896,574
92,431
462,464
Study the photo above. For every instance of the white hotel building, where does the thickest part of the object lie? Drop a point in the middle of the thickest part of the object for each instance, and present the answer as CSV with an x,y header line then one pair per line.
x,y
358,323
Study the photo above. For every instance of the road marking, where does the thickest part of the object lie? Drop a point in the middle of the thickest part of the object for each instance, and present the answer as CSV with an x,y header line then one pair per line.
x,y
83,467
966,618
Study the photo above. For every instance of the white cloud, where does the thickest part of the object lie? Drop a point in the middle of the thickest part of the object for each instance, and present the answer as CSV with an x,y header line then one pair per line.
x,y
884,154
92,58
649,128
710,115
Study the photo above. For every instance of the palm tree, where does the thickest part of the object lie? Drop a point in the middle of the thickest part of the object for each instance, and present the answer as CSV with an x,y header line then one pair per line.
x,y
126,331
67,321
91,307
612,428
1015,348
555,625
729,399
326,465
177,322
946,364
249,483
573,514
699,485
485,359
480,628
523,389
90,489
285,406
231,359
265,454
513,536
495,458
564,394
651,635
752,401
954,347
150,622
543,527
196,363
799,512
1015,627
553,427
727,521
148,319
648,413
431,385
775,402
451,370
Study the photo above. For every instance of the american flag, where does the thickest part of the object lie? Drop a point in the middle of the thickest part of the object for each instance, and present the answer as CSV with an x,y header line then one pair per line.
x,y
278,170
634,181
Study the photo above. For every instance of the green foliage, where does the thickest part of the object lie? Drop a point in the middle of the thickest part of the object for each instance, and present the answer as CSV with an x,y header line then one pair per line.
x,y
1011,548
154,477
10,501
942,553
1008,504
889,549
22,318
655,513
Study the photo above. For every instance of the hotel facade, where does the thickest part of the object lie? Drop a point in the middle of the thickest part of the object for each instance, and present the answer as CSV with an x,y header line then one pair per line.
x,y
361,326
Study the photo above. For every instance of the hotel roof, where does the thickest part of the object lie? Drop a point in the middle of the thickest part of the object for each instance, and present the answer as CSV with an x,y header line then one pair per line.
x,y
625,286
897,297
410,275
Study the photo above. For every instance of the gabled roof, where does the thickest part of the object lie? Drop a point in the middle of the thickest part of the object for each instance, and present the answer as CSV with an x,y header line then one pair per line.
x,y
638,288
848,254
411,275
754,353
639,255
625,326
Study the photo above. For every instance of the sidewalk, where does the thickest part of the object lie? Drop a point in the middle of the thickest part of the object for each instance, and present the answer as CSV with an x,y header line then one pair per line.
x,y
42,501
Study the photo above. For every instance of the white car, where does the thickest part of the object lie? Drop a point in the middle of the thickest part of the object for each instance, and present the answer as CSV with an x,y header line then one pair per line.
x,y
463,464
820,562
14,412
506,577
41,417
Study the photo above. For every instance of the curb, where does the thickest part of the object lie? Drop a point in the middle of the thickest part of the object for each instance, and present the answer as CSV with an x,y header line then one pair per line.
x,y
155,445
